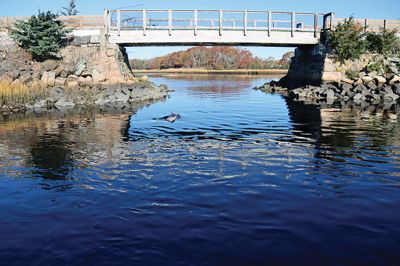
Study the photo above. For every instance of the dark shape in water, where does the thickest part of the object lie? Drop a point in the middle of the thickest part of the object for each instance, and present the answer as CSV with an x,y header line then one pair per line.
x,y
170,118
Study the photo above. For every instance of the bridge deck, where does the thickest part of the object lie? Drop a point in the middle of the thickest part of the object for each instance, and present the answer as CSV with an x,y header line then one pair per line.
x,y
214,27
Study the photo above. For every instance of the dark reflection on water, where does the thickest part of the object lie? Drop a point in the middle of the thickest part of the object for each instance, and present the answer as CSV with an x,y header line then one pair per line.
x,y
243,178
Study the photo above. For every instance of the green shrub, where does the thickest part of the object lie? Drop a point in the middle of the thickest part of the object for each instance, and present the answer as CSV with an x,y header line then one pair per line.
x,y
348,40
41,35
375,67
385,42
352,74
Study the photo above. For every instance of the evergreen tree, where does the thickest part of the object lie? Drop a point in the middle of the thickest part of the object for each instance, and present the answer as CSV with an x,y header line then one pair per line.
x,y
384,42
70,10
41,35
348,40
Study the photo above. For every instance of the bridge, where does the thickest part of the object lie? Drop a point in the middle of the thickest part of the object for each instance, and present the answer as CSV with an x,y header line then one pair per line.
x,y
209,27
215,27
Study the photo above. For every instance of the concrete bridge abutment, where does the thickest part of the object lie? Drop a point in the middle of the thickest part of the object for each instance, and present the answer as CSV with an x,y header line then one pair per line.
x,y
311,65
109,61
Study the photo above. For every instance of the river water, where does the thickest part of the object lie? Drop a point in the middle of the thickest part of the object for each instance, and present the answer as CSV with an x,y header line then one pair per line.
x,y
243,178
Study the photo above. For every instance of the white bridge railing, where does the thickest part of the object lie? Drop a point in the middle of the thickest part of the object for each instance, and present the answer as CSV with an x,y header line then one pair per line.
x,y
217,20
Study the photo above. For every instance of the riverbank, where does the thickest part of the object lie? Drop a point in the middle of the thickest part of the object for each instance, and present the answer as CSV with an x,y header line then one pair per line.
x,y
208,71
85,75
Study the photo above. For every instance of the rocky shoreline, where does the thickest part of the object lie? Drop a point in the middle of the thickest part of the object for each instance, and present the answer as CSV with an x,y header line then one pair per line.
x,y
75,80
372,96
371,84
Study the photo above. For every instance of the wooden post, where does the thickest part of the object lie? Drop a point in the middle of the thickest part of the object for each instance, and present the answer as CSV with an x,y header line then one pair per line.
x,y
365,25
315,25
245,23
170,22
220,22
105,17
119,21
293,23
385,24
269,22
144,22
195,22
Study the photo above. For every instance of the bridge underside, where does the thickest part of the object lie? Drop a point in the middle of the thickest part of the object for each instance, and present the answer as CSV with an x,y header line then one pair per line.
x,y
204,38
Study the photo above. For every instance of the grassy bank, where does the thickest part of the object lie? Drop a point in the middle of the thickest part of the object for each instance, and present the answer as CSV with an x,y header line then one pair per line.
x,y
12,95
206,71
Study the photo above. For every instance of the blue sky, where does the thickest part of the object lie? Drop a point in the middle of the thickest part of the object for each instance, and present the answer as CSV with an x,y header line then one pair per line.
x,y
384,9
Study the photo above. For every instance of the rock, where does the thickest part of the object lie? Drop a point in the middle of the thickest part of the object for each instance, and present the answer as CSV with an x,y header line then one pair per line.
x,y
14,74
394,59
63,103
56,92
126,90
72,84
72,81
40,104
59,70
80,67
358,81
49,78
60,81
367,79
86,73
380,79
330,94
371,85
362,74
80,40
395,79
357,97
97,76
121,97
389,97
94,39
110,52
144,78
396,88
50,65
85,81
331,76
373,74
393,69
25,77
108,91
347,80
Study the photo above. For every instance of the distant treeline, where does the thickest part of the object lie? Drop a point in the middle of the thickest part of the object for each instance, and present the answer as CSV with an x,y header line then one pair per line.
x,y
212,58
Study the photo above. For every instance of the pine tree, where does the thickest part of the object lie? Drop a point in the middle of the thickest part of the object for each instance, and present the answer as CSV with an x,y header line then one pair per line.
x,y
41,35
70,10
348,40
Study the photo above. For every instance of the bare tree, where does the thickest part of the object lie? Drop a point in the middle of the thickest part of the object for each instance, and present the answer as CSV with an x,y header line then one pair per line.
x,y
70,10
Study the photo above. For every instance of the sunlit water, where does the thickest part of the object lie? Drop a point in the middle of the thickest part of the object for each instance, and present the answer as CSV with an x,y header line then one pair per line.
x,y
243,178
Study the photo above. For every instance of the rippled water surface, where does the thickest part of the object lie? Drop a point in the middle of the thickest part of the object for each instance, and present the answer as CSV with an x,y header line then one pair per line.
x,y
243,178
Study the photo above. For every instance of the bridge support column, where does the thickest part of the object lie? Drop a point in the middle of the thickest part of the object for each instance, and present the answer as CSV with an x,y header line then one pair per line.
x,y
109,60
311,65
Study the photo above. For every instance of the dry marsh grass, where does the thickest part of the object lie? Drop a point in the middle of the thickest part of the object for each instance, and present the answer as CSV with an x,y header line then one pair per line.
x,y
19,94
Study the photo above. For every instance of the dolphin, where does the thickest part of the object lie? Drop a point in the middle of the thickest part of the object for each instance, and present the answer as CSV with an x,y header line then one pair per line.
x,y
170,118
